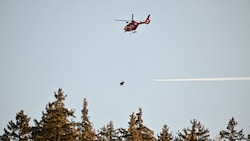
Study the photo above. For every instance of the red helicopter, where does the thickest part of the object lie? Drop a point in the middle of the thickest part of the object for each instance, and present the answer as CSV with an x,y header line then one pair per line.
x,y
132,26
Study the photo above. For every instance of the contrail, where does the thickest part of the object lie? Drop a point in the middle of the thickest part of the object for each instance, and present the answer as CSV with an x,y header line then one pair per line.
x,y
204,79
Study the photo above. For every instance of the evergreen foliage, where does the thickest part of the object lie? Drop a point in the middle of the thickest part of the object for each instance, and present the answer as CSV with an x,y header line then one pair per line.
x,y
108,133
248,137
86,127
165,135
137,130
19,130
196,133
231,134
57,124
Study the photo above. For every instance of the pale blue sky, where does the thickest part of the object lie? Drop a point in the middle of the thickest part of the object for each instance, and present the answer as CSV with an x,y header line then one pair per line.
x,y
77,46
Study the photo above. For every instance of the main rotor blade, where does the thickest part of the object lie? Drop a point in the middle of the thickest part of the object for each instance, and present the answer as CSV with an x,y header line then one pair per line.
x,y
122,20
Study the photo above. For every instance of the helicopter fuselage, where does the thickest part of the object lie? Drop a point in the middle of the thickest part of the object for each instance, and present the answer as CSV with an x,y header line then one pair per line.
x,y
131,26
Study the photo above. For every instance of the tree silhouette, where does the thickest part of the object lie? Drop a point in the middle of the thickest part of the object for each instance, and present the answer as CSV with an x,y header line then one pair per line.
x,y
132,130
55,124
165,135
137,131
108,133
19,130
86,128
146,133
196,133
231,134
248,137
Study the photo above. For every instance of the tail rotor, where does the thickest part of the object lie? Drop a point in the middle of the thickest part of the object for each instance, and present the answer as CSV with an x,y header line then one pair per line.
x,y
147,21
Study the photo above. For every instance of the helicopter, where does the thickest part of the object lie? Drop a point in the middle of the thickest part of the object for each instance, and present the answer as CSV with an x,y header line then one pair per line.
x,y
132,24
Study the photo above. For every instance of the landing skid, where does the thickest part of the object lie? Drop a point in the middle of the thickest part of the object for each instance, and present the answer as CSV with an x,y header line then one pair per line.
x,y
131,32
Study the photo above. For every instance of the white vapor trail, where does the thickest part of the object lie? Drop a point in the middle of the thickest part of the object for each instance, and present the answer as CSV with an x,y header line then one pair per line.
x,y
204,79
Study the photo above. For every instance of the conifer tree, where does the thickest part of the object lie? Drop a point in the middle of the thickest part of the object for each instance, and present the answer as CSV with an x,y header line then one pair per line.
x,y
146,133
137,131
37,134
4,137
101,134
231,134
248,137
55,123
86,127
132,130
19,130
196,133
165,135
108,133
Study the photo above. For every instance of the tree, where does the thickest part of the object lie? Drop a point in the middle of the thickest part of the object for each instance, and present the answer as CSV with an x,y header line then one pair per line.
x,y
146,133
231,134
134,134
165,135
102,134
248,137
86,127
108,133
55,124
4,137
137,130
197,133
19,130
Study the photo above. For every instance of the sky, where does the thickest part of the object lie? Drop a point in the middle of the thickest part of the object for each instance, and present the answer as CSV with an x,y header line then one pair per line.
x,y
77,46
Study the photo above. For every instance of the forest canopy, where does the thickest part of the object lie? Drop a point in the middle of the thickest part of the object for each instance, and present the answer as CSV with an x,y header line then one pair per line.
x,y
57,124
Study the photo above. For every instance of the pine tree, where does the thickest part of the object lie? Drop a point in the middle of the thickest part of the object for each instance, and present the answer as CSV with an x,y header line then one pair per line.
x,y
4,137
132,130
55,124
165,135
137,131
108,133
231,134
102,134
86,127
248,137
19,130
37,133
197,133
146,133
